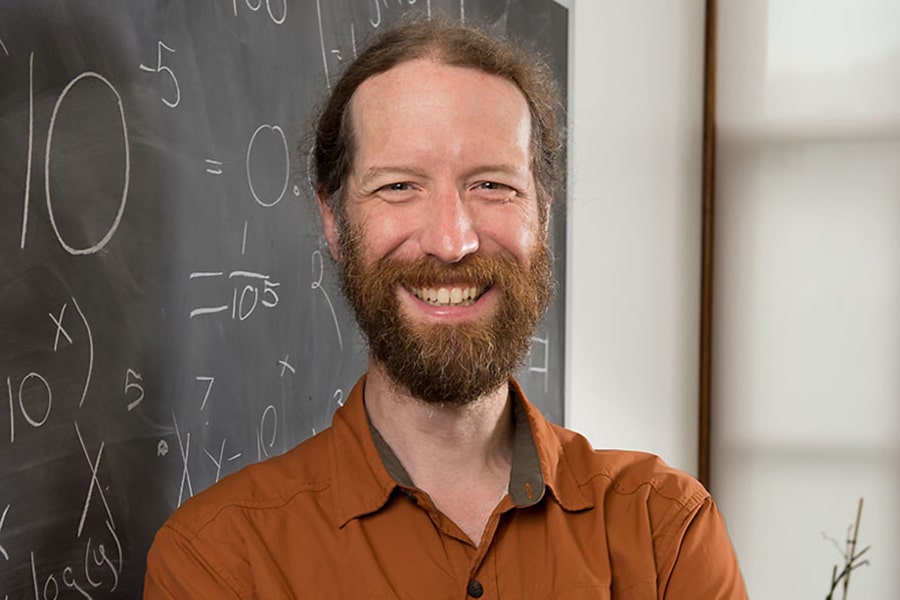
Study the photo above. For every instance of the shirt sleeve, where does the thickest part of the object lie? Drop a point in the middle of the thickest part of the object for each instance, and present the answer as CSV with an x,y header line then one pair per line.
x,y
176,570
705,567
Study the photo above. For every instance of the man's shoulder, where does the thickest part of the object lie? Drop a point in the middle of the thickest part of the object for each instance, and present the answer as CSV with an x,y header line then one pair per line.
x,y
269,485
627,472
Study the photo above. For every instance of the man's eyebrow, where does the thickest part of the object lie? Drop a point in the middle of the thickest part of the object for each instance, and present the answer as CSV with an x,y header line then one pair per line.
x,y
501,168
376,172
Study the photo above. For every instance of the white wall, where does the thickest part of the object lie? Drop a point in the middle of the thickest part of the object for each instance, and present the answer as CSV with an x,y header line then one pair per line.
x,y
807,337
807,328
636,86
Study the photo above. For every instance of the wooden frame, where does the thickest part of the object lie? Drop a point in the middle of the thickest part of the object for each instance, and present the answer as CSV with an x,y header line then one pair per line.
x,y
708,229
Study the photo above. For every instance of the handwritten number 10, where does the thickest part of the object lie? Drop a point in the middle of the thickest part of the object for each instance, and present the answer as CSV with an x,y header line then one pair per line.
x,y
49,154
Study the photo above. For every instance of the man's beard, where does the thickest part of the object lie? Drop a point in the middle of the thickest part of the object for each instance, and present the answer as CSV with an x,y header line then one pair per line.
x,y
451,364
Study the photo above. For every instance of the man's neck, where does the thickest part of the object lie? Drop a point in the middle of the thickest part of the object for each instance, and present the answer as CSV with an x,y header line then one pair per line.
x,y
457,454
478,432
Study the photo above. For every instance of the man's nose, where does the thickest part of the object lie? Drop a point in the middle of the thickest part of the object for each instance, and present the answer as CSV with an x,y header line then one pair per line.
x,y
449,233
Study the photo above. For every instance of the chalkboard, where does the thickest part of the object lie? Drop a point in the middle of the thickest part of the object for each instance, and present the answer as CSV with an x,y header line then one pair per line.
x,y
168,313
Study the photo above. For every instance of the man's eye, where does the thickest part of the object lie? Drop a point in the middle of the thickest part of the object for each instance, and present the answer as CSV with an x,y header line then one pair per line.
x,y
398,187
493,185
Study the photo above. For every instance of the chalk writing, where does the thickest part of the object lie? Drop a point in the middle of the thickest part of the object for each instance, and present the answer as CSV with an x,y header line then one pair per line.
x,y
3,551
215,166
94,484
95,557
47,167
322,44
287,163
101,551
34,393
376,21
185,449
245,299
207,310
269,414
161,68
131,383
318,268
242,308
209,384
32,421
35,579
281,12
337,51
12,416
217,463
285,365
40,388
30,149
59,327
90,366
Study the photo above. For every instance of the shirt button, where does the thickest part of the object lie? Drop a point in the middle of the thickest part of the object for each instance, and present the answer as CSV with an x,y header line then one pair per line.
x,y
474,589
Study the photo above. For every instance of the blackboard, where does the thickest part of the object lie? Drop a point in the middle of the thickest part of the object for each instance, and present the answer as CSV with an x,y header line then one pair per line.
x,y
168,313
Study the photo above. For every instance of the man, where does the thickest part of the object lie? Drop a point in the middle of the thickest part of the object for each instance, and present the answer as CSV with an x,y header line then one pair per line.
x,y
436,158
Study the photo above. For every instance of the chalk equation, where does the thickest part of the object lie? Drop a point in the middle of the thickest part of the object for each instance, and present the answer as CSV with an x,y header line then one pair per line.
x,y
31,398
267,432
250,290
101,555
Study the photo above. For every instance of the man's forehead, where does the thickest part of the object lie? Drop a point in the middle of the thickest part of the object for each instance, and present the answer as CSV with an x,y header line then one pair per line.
x,y
430,78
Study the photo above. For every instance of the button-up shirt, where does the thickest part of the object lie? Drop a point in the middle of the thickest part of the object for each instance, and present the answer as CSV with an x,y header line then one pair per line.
x,y
339,517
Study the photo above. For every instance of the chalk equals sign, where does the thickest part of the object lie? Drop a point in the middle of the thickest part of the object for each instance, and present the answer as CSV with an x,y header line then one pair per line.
x,y
213,167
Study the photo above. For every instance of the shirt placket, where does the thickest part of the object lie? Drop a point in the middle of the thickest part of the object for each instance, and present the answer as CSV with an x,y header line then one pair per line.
x,y
481,583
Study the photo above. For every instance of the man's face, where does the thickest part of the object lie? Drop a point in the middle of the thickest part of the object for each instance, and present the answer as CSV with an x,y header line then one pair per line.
x,y
443,252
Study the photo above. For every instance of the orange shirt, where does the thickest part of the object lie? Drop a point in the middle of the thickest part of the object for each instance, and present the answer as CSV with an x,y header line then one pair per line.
x,y
338,517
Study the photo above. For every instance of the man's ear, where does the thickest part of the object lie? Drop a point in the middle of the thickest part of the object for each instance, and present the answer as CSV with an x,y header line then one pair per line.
x,y
329,224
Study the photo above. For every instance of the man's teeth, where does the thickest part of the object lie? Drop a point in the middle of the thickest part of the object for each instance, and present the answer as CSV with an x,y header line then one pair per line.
x,y
455,296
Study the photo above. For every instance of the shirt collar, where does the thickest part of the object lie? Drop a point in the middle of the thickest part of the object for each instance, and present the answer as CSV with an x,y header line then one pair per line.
x,y
366,470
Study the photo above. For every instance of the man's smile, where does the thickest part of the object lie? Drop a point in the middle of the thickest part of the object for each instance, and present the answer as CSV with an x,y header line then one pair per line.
x,y
457,295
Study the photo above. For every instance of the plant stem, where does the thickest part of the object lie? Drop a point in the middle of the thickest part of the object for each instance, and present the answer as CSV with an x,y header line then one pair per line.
x,y
852,551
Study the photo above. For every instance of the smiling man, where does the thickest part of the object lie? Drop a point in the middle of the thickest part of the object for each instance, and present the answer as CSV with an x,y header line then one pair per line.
x,y
436,159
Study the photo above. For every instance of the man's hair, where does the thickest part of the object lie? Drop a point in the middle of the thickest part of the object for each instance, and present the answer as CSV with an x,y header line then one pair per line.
x,y
451,45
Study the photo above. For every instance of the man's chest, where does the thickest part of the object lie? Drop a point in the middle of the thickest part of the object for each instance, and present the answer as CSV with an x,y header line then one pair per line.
x,y
405,551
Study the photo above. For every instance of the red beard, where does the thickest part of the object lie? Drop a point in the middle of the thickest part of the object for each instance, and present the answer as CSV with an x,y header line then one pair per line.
x,y
447,364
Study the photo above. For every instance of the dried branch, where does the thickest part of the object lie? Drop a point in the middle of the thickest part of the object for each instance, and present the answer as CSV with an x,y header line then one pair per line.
x,y
851,557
